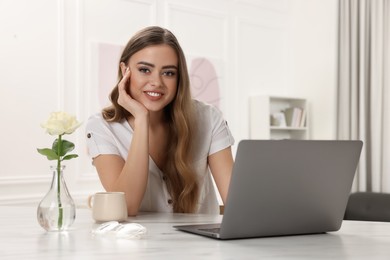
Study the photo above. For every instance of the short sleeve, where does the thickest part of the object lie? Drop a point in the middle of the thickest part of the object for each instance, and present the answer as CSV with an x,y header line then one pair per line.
x,y
100,138
221,135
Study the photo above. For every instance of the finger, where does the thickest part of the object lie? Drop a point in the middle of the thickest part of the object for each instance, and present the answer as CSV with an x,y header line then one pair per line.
x,y
122,84
127,74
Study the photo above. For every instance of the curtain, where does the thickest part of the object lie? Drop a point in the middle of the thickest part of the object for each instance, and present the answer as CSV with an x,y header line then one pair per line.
x,y
364,88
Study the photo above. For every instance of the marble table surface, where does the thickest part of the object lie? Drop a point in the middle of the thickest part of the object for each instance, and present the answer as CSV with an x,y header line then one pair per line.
x,y
21,238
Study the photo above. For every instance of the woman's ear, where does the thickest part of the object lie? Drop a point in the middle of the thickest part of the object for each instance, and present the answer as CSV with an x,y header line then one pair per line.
x,y
123,68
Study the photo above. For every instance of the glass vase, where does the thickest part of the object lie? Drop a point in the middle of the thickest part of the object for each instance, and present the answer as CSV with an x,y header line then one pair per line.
x,y
57,211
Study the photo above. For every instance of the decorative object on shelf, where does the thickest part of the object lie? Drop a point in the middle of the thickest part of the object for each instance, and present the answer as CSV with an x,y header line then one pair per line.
x,y
57,211
278,119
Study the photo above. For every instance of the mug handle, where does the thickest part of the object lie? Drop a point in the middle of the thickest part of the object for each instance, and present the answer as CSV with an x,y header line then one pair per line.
x,y
90,201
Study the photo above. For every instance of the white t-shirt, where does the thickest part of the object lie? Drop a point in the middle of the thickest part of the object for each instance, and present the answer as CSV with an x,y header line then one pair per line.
x,y
212,135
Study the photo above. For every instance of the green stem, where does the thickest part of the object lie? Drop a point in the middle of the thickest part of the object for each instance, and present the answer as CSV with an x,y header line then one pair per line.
x,y
60,212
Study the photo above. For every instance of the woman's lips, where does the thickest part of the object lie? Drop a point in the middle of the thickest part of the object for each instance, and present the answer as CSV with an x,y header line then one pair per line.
x,y
153,94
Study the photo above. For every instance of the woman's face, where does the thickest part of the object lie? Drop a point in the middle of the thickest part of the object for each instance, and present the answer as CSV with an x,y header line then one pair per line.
x,y
154,76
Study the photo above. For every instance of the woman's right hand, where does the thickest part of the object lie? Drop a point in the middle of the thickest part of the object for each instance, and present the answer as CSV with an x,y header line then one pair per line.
x,y
126,101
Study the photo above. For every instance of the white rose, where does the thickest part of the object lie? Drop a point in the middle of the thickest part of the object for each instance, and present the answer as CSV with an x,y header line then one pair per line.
x,y
60,123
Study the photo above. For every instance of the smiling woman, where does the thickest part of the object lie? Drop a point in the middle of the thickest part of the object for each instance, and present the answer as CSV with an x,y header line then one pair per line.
x,y
155,143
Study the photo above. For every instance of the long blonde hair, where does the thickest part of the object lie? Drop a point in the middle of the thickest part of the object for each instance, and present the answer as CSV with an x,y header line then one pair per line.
x,y
181,177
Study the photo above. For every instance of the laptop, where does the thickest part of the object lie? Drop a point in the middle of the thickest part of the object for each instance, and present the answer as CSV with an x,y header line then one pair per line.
x,y
286,187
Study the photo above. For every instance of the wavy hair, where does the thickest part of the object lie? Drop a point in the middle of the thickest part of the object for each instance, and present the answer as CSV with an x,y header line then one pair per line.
x,y
181,177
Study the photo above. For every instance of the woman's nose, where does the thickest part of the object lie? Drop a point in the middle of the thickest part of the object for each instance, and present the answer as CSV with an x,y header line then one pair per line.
x,y
155,80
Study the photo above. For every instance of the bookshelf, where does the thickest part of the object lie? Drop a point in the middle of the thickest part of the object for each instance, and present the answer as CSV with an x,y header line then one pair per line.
x,y
273,117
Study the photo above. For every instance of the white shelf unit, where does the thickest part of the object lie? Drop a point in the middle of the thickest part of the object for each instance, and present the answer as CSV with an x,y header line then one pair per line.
x,y
260,111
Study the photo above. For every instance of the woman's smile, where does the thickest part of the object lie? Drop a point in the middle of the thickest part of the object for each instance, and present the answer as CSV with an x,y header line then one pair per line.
x,y
153,94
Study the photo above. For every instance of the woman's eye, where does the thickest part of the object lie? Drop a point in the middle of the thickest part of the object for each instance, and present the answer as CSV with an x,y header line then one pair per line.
x,y
169,73
144,70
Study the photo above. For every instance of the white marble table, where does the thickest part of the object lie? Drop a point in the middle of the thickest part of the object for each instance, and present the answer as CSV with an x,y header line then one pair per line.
x,y
22,238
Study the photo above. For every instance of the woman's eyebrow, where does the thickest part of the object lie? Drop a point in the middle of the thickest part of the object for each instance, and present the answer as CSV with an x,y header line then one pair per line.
x,y
146,63
170,67
152,65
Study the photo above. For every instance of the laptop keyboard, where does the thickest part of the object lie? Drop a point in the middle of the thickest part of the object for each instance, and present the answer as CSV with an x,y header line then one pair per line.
x,y
210,230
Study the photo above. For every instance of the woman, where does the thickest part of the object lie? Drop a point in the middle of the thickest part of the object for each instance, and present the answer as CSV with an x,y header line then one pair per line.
x,y
154,142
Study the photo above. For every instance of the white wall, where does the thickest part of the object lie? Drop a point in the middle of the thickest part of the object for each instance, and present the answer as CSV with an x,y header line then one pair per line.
x,y
276,47
314,62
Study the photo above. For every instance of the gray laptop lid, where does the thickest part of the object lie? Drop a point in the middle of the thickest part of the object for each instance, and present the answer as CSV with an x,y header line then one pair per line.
x,y
285,187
